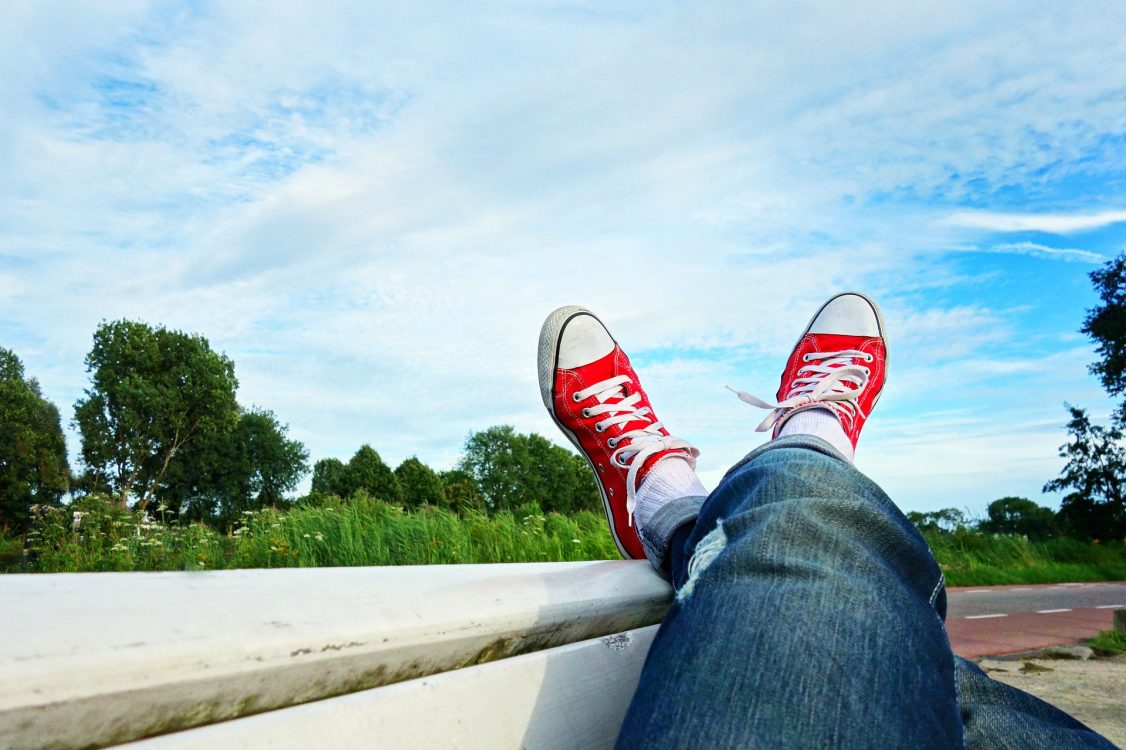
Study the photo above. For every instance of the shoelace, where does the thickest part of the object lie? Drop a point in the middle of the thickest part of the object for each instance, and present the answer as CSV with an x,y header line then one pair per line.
x,y
836,382
634,447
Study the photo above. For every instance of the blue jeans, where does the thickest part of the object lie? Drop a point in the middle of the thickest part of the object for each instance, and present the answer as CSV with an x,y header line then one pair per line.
x,y
809,614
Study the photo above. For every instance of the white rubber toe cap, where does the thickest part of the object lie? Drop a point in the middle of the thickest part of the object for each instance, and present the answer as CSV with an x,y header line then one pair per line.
x,y
571,337
848,314
583,340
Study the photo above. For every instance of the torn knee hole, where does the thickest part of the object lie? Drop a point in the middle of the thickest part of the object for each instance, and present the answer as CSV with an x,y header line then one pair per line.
x,y
705,553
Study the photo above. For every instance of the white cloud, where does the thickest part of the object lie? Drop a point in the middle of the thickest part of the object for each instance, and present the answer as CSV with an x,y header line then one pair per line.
x,y
1051,253
372,209
1051,223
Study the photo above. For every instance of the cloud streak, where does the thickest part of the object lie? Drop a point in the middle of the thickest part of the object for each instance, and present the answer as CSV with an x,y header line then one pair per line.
x,y
1049,223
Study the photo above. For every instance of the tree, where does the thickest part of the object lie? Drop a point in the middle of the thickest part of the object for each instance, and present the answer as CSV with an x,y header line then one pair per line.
x,y
462,493
1096,466
1019,515
328,477
512,469
419,483
1106,324
33,462
946,520
273,464
247,467
565,483
366,471
153,392
497,459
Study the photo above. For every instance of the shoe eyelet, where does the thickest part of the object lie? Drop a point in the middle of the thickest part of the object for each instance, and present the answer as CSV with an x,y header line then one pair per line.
x,y
599,428
601,468
611,491
586,412
871,358
612,442
805,358
575,396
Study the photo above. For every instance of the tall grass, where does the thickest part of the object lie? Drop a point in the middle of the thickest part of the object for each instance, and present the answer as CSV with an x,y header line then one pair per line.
x,y
95,535
970,558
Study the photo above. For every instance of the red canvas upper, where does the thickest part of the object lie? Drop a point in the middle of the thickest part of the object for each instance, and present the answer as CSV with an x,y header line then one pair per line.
x,y
594,444
828,342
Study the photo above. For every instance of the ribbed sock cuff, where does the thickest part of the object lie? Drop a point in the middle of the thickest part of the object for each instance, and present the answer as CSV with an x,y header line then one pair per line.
x,y
669,478
822,423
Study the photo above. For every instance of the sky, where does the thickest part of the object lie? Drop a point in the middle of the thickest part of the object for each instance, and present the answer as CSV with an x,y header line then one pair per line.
x,y
371,207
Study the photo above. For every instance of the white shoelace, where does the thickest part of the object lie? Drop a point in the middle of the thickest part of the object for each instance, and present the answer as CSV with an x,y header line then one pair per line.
x,y
634,447
836,382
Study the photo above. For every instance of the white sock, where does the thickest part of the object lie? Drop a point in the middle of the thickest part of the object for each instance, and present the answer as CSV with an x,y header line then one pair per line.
x,y
671,477
824,424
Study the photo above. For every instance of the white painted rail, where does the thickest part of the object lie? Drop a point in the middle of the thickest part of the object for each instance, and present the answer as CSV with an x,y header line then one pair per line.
x,y
571,697
89,660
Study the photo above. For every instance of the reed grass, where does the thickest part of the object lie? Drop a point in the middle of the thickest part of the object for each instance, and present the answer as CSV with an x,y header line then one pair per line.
x,y
93,534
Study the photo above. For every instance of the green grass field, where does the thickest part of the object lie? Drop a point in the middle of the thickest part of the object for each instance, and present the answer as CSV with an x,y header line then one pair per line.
x,y
94,535
977,559
360,531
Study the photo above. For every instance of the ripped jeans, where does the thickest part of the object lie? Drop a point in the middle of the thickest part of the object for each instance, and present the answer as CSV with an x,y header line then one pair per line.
x,y
809,614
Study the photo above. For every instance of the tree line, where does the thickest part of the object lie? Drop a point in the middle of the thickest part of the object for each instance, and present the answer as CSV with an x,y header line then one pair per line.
x,y
161,428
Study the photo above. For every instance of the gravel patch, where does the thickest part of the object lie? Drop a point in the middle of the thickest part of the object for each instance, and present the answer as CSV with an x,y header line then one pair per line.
x,y
1091,690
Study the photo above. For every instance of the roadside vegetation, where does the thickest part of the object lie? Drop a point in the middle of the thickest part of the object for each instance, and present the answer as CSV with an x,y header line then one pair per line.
x,y
1109,642
96,535
176,474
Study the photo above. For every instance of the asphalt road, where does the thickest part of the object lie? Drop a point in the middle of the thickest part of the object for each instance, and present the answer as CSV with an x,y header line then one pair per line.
x,y
988,621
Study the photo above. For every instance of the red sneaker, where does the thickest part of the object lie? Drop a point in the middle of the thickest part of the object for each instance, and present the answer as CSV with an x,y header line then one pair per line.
x,y
593,394
839,363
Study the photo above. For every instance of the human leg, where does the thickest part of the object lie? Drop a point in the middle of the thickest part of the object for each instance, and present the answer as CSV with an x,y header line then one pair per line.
x,y
811,624
815,620
592,393
809,609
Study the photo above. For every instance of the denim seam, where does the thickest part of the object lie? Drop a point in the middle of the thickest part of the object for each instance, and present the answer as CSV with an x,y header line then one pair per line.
x,y
937,588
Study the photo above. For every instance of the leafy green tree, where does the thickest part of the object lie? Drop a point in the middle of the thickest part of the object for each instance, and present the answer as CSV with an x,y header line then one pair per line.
x,y
272,463
33,462
1106,325
497,460
462,493
153,392
419,483
1019,515
946,520
328,477
1095,471
250,466
366,471
512,469
565,482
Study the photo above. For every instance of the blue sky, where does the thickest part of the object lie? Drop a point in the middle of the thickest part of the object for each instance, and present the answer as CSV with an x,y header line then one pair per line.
x,y
372,206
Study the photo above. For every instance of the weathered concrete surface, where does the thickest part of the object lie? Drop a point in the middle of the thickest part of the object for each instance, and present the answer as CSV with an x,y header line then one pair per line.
x,y
91,659
1093,691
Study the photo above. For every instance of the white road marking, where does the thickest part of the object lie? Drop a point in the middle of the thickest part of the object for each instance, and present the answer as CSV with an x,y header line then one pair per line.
x,y
977,591
1110,606
1050,611
1023,588
982,617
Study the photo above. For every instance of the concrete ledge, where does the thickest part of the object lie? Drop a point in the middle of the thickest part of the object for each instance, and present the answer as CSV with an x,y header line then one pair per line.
x,y
557,699
89,660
